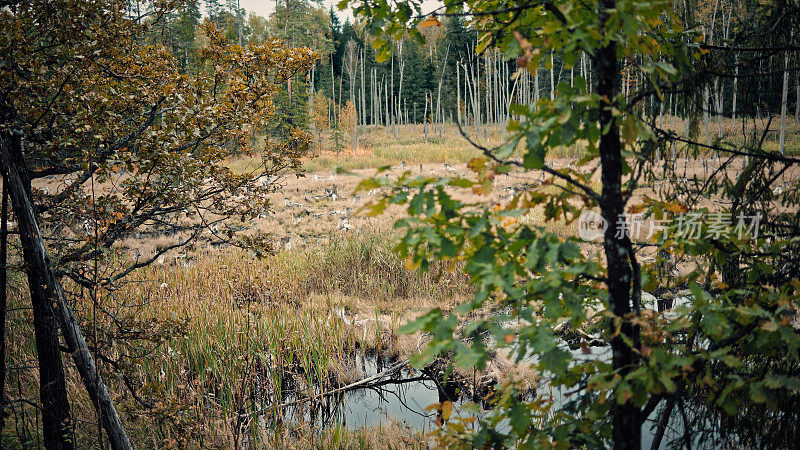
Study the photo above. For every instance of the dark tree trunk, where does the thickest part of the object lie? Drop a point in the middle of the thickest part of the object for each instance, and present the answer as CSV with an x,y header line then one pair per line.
x,y
3,274
625,417
52,386
662,424
47,292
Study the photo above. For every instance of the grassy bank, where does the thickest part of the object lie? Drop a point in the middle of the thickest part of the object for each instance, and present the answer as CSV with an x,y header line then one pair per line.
x,y
212,345
381,146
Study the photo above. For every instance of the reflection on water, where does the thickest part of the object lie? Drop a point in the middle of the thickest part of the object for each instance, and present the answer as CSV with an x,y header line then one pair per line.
x,y
402,397
405,402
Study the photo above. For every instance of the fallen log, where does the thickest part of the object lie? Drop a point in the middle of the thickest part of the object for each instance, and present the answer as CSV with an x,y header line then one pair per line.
x,y
364,383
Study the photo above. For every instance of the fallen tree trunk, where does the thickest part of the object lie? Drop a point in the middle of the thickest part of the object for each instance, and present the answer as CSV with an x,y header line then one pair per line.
x,y
369,382
363,383
37,261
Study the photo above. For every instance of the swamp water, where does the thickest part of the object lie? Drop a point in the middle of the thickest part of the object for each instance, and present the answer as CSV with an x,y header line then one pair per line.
x,y
400,397
403,396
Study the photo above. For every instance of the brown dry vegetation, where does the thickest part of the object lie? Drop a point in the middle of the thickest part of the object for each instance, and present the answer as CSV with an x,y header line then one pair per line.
x,y
215,324
295,317
315,205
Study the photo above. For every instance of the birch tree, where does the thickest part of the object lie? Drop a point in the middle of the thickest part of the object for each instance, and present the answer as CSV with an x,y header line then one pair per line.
x,y
784,103
351,67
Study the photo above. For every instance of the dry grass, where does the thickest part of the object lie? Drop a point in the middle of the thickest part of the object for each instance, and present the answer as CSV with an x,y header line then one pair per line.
x,y
382,146
387,436
222,335
748,131
376,148
230,329
290,321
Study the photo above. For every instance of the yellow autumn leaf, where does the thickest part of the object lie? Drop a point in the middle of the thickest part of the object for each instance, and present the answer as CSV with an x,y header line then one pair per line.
x,y
677,208
431,21
447,408
508,221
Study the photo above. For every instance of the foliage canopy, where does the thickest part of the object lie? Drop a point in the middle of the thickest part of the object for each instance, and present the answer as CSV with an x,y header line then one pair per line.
x,y
731,349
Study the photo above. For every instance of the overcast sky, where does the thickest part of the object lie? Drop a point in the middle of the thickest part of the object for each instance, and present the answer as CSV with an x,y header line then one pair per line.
x,y
265,7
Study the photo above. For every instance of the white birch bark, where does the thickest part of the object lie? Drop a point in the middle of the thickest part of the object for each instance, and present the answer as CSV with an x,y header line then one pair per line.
x,y
784,101
735,84
552,79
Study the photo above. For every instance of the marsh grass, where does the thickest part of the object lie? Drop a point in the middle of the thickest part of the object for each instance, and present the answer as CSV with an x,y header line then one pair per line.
x,y
213,346
382,436
380,146
376,149
262,332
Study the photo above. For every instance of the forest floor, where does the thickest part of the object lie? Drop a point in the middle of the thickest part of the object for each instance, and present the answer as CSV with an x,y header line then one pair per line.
x,y
217,327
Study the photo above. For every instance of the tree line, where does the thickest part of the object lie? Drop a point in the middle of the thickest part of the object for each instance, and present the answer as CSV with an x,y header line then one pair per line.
x,y
454,77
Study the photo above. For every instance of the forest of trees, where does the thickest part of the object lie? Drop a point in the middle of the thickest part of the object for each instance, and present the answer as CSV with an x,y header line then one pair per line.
x,y
444,79
120,118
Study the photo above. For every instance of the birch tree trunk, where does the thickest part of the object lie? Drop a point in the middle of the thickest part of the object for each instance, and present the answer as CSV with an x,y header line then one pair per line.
x,y
797,99
735,84
458,92
439,95
402,64
425,119
363,96
310,100
784,101
706,107
333,95
718,106
706,93
718,88
476,86
378,118
340,97
391,111
583,66
488,104
476,101
552,78
386,95
488,92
